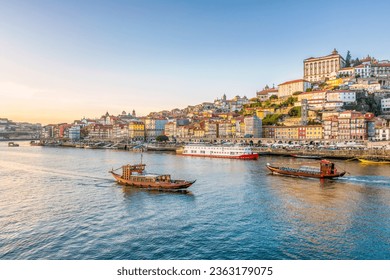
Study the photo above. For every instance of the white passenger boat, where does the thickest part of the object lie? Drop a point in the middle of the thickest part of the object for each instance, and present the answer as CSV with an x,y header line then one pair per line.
x,y
218,151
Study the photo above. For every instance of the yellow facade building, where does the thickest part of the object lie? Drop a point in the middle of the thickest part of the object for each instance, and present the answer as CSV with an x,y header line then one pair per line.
x,y
137,130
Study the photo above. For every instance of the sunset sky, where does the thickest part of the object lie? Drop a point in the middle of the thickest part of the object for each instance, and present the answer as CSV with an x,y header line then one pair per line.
x,y
63,60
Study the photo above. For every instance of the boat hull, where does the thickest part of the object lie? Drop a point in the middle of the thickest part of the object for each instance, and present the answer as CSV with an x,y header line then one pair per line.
x,y
173,185
306,156
366,161
277,170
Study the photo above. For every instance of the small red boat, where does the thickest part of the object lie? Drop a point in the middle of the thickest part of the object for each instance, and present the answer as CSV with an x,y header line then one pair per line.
x,y
326,170
134,175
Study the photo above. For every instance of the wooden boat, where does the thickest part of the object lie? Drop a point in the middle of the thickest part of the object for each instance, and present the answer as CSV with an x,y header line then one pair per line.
x,y
135,175
373,161
326,170
35,143
13,144
306,156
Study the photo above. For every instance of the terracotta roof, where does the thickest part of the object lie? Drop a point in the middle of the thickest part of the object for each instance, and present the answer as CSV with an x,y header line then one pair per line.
x,y
382,65
294,81
266,91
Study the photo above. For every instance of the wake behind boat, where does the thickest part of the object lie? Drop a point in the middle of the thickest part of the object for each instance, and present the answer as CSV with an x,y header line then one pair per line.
x,y
326,170
135,175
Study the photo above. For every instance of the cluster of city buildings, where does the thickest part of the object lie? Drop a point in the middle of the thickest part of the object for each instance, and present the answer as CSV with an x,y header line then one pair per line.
x,y
18,130
327,95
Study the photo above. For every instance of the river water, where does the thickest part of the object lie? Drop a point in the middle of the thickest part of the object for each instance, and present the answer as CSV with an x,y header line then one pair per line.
x,y
61,203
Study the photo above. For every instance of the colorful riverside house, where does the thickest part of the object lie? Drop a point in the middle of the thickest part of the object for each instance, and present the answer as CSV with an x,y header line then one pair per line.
x,y
136,130
296,132
350,125
100,131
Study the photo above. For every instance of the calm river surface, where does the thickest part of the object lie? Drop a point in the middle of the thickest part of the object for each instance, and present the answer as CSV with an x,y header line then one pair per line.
x,y
61,203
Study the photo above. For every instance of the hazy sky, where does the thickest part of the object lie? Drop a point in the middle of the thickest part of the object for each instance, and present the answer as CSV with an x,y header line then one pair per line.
x,y
62,60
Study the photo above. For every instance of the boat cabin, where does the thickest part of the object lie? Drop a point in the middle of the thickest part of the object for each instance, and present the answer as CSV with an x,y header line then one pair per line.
x,y
136,173
327,167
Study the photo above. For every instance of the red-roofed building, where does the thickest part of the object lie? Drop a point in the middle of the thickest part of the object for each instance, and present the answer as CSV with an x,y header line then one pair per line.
x,y
286,89
266,93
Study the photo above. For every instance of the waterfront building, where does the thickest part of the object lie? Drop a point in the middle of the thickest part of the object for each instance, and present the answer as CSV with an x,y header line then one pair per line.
x,y
136,130
317,69
296,132
286,89
199,132
349,125
99,131
225,129
74,133
154,127
268,131
330,127
382,134
253,126
211,129
120,131
182,131
170,129
48,131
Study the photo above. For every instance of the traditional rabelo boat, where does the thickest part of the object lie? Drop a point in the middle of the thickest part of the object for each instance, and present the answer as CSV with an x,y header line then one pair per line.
x,y
373,161
135,175
326,170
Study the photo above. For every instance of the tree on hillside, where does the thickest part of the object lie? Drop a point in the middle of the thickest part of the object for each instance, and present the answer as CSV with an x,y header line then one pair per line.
x,y
295,112
355,62
348,59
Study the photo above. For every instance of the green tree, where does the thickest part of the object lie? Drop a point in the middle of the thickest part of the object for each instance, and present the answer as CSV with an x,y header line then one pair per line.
x,y
271,119
295,111
348,59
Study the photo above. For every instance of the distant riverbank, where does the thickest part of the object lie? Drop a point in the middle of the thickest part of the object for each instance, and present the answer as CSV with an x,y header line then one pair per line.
x,y
366,151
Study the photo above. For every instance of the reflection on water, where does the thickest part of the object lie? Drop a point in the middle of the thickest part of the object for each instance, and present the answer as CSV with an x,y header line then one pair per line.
x,y
63,204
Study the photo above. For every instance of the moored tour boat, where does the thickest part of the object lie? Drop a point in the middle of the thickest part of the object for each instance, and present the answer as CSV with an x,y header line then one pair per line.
x,y
135,175
13,144
305,156
219,151
326,170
